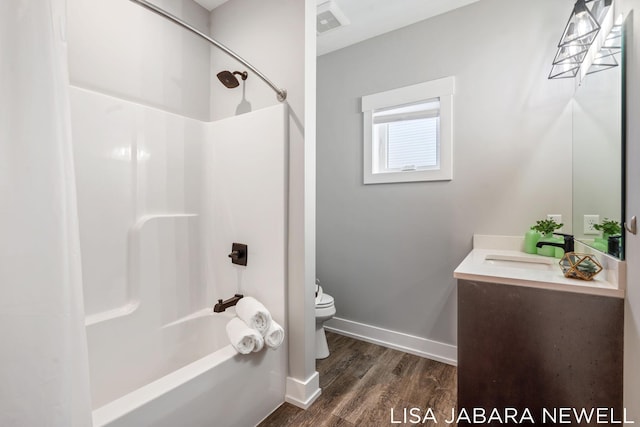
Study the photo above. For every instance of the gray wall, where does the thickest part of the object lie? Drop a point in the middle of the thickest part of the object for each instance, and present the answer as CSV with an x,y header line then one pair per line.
x,y
387,252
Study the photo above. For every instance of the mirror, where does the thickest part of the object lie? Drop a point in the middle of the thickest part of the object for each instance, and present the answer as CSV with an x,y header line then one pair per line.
x,y
598,157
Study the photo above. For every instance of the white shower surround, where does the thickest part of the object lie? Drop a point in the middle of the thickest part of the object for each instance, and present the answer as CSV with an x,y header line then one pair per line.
x,y
161,198
223,388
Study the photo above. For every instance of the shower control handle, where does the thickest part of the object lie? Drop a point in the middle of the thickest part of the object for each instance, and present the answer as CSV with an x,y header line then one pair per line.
x,y
238,254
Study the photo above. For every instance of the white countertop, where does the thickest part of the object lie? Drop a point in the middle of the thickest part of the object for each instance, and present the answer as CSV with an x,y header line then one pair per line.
x,y
544,273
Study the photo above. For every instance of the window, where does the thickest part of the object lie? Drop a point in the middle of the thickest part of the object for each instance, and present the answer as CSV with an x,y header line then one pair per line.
x,y
406,138
408,133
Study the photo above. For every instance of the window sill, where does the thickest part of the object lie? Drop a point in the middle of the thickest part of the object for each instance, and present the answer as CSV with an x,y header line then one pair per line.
x,y
407,176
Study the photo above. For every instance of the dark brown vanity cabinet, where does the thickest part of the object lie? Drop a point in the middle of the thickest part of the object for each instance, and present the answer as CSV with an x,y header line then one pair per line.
x,y
538,350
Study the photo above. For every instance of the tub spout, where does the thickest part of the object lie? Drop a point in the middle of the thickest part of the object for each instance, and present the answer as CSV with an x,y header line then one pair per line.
x,y
223,305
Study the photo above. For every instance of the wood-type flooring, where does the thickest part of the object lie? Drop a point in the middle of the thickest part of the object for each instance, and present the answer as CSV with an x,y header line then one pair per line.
x,y
366,385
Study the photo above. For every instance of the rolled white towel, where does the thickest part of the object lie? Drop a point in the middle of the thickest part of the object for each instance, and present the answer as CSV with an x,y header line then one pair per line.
x,y
254,314
274,335
259,341
243,338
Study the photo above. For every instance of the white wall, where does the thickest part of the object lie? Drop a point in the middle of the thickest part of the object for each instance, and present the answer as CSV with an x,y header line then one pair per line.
x,y
130,161
138,175
632,307
118,49
274,36
121,49
245,202
133,160
387,252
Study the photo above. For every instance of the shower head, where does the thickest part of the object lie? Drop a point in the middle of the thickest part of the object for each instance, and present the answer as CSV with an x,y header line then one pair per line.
x,y
228,79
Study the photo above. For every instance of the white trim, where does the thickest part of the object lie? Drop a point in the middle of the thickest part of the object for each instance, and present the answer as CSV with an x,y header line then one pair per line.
x,y
408,94
303,394
434,350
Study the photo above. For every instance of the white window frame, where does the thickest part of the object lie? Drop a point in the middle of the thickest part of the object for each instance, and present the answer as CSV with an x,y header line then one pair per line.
x,y
443,89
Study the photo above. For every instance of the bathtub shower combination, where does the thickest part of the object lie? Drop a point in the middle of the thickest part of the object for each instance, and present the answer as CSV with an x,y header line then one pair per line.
x,y
161,199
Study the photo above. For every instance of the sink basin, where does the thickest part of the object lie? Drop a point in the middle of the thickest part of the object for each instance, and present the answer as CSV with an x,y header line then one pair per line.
x,y
501,260
521,262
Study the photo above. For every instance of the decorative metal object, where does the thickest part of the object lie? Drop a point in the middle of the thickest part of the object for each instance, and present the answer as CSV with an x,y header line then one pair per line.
x,y
579,266
578,36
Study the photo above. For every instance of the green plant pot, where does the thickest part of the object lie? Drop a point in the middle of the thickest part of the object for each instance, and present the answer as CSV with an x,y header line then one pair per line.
x,y
531,237
600,244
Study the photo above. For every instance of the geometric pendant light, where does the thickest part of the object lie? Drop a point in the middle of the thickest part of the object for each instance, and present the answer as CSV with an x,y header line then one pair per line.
x,y
582,27
612,45
603,61
578,35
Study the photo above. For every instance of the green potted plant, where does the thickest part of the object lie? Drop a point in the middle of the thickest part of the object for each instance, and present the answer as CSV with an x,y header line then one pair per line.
x,y
608,227
546,227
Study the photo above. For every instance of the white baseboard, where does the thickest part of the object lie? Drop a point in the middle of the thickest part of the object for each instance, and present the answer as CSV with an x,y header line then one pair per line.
x,y
303,394
441,352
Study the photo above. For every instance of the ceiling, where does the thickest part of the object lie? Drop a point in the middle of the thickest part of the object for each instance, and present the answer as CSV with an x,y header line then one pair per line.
x,y
370,18
210,4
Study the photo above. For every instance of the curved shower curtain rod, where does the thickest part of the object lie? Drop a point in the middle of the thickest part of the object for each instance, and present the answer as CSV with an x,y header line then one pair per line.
x,y
281,93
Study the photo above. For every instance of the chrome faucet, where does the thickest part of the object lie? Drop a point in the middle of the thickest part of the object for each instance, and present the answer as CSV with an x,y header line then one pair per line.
x,y
567,245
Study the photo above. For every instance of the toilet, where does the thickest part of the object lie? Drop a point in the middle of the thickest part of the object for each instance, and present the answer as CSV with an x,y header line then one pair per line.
x,y
325,310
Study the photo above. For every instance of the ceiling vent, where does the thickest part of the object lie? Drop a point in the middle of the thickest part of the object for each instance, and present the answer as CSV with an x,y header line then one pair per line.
x,y
329,17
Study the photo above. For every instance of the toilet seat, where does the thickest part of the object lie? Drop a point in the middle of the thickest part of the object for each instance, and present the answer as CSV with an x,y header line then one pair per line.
x,y
325,301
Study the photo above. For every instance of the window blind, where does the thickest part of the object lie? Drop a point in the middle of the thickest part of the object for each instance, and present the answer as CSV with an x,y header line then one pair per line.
x,y
412,143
